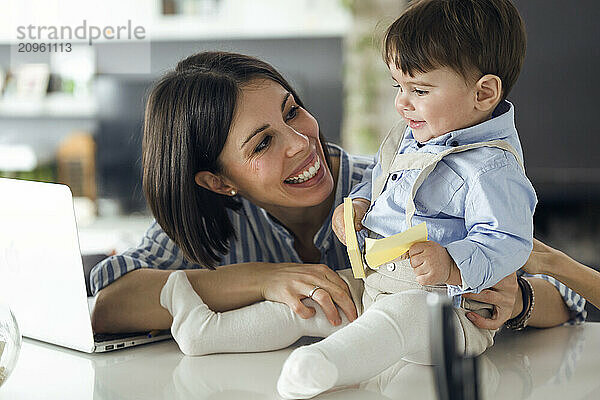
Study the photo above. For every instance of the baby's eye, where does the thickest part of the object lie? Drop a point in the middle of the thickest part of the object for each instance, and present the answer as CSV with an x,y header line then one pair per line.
x,y
420,92
263,144
292,113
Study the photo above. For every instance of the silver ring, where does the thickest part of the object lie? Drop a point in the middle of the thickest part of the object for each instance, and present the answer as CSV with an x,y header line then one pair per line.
x,y
314,290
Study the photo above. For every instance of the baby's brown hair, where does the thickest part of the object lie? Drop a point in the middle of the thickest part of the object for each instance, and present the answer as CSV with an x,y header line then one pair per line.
x,y
469,36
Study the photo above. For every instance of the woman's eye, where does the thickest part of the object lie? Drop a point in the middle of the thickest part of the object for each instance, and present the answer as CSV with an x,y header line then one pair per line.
x,y
263,144
292,113
396,85
420,92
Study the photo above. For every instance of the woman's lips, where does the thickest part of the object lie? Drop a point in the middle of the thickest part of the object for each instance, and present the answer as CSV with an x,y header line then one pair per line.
x,y
313,181
305,175
309,161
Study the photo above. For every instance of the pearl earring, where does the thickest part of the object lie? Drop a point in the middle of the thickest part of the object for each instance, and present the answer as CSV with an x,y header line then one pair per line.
x,y
233,192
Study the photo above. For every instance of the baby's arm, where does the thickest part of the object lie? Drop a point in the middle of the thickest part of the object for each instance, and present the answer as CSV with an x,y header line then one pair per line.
x,y
262,326
499,208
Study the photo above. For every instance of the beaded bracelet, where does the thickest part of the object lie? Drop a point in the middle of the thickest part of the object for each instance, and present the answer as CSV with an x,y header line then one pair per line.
x,y
520,321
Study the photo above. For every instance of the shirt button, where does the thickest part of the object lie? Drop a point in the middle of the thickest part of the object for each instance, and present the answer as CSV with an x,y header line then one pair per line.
x,y
394,177
454,143
390,267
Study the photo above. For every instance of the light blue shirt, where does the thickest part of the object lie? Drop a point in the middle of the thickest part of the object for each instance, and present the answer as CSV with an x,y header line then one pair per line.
x,y
478,204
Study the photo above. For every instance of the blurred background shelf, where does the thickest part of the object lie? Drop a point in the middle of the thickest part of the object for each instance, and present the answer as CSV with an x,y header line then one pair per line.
x,y
52,106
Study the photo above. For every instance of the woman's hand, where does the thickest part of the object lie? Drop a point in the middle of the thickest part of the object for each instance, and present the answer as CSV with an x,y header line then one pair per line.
x,y
506,298
289,283
361,206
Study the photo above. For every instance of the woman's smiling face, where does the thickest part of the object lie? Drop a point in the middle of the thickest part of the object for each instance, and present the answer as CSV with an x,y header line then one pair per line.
x,y
273,156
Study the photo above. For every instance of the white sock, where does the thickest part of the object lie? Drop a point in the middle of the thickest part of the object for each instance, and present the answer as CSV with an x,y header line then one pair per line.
x,y
395,326
262,326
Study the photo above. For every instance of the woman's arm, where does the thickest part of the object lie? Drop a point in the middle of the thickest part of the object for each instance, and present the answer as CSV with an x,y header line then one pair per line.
x,y
549,261
131,303
262,326
549,309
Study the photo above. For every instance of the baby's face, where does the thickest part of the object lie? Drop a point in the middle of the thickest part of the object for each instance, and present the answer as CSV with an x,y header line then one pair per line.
x,y
435,102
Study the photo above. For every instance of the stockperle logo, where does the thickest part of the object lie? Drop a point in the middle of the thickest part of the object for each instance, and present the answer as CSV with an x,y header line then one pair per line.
x,y
84,31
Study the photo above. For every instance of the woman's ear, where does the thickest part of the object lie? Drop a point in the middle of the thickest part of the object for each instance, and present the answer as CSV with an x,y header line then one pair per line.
x,y
214,183
488,92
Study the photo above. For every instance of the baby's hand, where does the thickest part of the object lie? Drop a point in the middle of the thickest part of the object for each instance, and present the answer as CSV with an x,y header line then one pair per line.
x,y
432,264
337,220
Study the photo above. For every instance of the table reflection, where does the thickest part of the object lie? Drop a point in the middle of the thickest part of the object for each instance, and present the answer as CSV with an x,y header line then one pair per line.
x,y
514,368
545,364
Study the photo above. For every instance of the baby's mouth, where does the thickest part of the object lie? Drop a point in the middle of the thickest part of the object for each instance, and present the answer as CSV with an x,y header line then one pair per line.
x,y
414,124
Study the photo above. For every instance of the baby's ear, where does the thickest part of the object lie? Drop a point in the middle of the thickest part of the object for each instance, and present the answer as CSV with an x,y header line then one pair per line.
x,y
488,92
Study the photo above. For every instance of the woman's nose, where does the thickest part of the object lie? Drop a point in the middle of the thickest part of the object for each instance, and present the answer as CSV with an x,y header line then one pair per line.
x,y
297,142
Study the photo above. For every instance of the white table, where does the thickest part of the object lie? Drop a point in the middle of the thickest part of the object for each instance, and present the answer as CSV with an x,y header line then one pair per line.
x,y
558,363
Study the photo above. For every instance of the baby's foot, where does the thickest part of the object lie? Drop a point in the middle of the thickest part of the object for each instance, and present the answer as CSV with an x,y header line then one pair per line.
x,y
305,374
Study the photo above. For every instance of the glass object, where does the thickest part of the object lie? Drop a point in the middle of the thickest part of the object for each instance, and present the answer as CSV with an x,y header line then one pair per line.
x,y
10,342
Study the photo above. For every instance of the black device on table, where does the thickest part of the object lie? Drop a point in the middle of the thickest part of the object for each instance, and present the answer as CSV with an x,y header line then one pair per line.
x,y
455,375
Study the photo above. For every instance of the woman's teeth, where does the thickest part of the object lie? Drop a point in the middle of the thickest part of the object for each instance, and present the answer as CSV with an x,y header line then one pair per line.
x,y
306,175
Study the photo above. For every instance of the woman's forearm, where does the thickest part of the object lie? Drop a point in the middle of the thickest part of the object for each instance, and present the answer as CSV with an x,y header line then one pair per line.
x,y
131,303
580,278
549,309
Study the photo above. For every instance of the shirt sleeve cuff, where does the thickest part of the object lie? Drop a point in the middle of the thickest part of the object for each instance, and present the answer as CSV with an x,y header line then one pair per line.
x,y
462,252
463,286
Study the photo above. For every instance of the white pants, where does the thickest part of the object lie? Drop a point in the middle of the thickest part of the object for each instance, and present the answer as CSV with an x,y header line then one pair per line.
x,y
397,277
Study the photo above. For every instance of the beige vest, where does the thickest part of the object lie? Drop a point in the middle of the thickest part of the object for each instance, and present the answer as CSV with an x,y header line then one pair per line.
x,y
390,161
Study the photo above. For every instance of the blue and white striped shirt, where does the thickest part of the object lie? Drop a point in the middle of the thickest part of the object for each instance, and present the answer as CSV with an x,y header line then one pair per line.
x,y
262,239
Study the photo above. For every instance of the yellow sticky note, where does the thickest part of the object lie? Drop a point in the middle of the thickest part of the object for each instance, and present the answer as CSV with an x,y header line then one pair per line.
x,y
351,240
381,251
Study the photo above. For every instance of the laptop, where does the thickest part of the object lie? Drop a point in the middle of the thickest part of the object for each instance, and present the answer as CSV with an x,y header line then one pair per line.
x,y
42,278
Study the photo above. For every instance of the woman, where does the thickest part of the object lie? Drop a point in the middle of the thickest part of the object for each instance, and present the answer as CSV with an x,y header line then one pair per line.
x,y
227,157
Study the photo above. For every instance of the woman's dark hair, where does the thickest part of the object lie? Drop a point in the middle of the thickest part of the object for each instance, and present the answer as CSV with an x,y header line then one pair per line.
x,y
187,120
